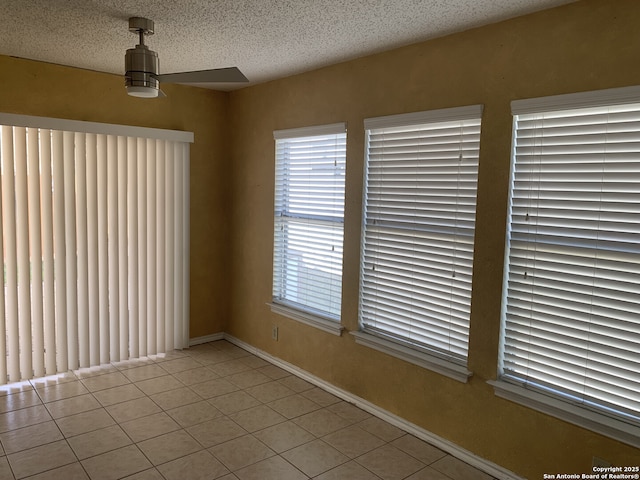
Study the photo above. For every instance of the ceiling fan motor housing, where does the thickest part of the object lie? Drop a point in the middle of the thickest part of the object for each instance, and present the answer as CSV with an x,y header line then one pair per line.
x,y
141,66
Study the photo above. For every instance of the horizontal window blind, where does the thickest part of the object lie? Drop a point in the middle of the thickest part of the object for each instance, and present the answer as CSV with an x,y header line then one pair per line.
x,y
309,218
571,311
419,221
95,247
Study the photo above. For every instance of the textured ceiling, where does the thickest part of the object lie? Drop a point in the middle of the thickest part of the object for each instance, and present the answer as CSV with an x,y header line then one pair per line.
x,y
266,39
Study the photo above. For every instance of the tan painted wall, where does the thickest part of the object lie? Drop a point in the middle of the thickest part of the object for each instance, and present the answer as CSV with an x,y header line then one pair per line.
x,y
588,45
35,88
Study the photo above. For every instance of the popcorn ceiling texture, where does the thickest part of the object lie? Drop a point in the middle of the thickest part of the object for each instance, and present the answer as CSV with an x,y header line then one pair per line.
x,y
266,39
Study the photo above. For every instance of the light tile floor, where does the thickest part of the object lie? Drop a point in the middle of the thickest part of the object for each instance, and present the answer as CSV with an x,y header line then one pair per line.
x,y
213,411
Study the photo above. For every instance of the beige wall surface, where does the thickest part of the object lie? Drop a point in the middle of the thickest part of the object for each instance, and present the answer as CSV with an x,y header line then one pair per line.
x,y
35,88
588,45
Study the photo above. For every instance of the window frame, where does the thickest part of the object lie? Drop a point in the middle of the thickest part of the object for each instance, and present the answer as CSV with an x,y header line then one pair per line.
x,y
410,351
582,412
301,312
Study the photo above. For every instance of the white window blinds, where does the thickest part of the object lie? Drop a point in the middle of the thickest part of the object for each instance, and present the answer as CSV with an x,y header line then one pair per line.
x,y
419,220
571,316
95,244
309,218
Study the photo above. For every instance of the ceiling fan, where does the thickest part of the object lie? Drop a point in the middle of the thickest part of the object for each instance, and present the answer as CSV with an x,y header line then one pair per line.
x,y
141,67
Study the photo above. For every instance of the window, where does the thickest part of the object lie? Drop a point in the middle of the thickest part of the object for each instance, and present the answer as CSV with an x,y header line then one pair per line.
x,y
571,315
419,218
309,224
95,235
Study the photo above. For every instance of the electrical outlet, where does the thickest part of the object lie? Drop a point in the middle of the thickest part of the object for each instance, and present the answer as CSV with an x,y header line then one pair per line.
x,y
274,332
599,462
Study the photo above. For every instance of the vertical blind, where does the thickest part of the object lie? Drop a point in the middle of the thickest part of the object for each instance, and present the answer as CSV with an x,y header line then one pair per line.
x,y
309,218
95,245
572,285
419,222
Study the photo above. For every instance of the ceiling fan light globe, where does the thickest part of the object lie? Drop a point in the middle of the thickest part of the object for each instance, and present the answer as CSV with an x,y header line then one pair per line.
x,y
142,92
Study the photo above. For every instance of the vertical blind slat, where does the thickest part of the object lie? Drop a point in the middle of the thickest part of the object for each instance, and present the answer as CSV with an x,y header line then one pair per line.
x,y
152,307
123,314
112,246
92,249
177,242
84,343
185,242
71,290
59,250
169,243
142,246
35,247
9,224
48,286
160,256
103,248
22,252
130,346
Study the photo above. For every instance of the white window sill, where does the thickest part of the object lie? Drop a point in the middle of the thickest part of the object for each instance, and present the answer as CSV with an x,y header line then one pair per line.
x,y
583,417
325,324
430,362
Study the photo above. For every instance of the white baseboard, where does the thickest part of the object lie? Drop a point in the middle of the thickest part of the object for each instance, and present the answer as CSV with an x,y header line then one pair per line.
x,y
445,445
206,339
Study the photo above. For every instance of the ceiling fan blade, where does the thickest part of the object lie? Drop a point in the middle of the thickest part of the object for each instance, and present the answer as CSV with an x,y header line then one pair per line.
x,y
230,74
